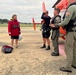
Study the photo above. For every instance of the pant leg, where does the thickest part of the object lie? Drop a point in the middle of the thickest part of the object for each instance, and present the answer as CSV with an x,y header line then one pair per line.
x,y
55,44
69,50
74,51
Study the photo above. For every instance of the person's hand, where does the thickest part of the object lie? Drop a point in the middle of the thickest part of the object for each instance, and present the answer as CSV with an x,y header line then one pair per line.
x,y
52,25
44,11
9,33
20,32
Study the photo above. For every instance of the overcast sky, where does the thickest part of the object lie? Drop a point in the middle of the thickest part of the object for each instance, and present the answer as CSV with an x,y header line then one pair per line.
x,y
25,9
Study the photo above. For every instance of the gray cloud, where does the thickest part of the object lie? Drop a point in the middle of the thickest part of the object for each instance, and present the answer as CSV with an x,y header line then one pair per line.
x,y
25,9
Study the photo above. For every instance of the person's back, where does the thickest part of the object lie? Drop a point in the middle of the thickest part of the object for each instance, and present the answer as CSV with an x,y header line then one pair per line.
x,y
47,21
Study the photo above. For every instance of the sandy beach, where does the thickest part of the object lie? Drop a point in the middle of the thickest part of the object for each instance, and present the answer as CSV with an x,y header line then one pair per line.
x,y
29,59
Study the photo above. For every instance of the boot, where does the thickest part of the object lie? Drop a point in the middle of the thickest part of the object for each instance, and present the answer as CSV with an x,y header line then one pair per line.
x,y
44,46
48,48
55,54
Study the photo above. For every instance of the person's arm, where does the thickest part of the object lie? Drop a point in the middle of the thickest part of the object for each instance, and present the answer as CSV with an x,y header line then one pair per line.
x,y
9,28
57,21
42,17
49,17
19,29
68,17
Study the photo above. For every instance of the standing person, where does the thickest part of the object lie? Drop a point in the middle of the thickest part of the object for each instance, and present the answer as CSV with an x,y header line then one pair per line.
x,y
70,45
14,30
55,31
46,30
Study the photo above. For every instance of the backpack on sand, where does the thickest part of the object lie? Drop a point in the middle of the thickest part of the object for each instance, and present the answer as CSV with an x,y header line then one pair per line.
x,y
7,49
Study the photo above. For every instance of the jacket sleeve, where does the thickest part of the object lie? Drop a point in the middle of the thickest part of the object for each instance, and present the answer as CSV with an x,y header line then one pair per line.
x,y
19,29
9,28
42,17
68,16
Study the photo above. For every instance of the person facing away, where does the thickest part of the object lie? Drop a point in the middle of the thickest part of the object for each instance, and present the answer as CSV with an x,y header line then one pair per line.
x,y
55,31
46,30
14,30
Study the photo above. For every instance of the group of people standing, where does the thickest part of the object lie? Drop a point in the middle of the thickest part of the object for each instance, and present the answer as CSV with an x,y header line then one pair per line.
x,y
46,28
69,23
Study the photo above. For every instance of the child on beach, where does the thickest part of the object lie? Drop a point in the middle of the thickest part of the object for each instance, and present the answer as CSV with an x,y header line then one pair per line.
x,y
14,30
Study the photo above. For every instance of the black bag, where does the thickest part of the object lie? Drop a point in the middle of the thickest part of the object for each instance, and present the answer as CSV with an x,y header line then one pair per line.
x,y
7,49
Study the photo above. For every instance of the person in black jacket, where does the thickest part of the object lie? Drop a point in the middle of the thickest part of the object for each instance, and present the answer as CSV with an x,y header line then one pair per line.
x,y
46,30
